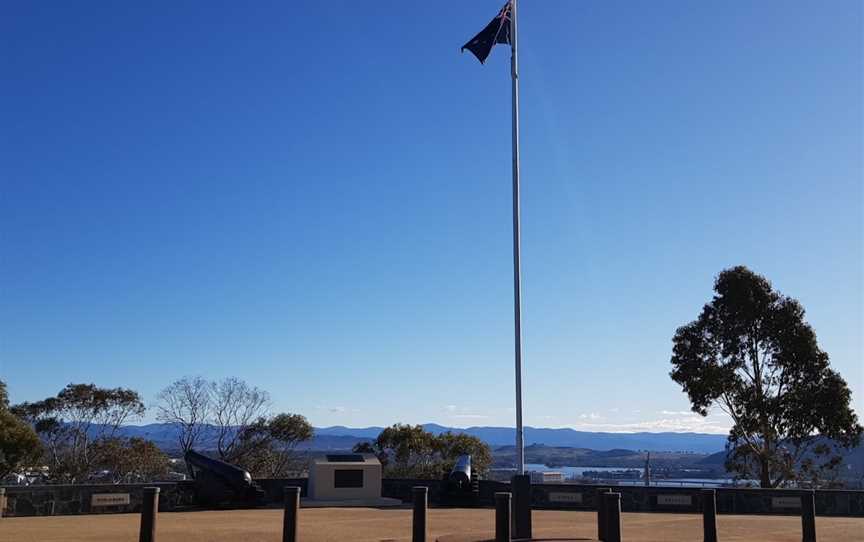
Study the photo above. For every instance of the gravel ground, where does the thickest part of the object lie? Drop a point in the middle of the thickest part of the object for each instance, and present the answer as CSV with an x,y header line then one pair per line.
x,y
378,525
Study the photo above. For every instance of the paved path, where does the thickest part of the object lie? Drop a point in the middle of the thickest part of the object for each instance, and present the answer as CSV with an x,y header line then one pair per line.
x,y
377,525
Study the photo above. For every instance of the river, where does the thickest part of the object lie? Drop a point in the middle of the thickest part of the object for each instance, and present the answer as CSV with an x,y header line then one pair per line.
x,y
572,472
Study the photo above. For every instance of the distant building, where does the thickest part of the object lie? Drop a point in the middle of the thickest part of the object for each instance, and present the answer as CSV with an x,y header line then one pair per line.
x,y
547,477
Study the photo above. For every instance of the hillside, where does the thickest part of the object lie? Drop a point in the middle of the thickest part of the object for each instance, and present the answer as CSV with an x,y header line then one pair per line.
x,y
503,436
552,456
552,447
339,437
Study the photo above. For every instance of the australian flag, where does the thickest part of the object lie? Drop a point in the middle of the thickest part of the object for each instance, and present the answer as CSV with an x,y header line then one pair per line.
x,y
498,31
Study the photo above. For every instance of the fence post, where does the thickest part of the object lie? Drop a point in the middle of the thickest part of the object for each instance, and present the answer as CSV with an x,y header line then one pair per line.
x,y
502,517
421,501
2,500
292,510
601,512
709,515
521,487
808,516
612,503
149,511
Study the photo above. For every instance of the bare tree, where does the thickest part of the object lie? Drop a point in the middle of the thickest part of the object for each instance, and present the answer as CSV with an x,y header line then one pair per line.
x,y
186,403
236,406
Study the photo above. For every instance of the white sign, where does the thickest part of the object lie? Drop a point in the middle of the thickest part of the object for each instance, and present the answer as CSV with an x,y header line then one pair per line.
x,y
109,499
559,496
785,502
675,500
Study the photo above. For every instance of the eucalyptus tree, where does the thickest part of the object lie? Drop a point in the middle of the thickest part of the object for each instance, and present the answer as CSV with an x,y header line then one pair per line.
x,y
752,354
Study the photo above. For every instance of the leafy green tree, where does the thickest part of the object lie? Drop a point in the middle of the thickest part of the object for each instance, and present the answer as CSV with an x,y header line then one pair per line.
x,y
130,460
452,445
409,451
267,447
19,444
4,396
76,418
751,353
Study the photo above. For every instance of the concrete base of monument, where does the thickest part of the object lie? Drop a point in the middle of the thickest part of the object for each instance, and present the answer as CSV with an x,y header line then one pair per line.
x,y
380,502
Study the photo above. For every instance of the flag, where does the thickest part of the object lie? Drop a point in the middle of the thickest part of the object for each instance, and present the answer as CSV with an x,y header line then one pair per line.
x,y
497,31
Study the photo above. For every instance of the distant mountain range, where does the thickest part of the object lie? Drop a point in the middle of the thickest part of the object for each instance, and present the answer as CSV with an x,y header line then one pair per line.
x,y
549,446
343,438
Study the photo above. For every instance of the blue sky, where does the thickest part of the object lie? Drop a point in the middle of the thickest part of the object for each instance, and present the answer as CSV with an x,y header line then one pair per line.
x,y
315,196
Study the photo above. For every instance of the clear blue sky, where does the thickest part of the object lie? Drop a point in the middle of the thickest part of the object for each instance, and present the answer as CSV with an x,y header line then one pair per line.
x,y
315,196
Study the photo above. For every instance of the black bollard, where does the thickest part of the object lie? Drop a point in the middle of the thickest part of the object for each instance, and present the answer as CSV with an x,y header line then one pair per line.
x,y
149,511
502,517
601,512
709,515
808,516
613,516
521,486
421,500
292,511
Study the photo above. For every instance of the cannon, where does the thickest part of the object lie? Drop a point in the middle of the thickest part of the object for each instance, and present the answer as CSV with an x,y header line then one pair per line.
x,y
218,482
461,487
461,472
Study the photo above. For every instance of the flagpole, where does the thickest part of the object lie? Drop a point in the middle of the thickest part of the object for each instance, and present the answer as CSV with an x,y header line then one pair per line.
x,y
517,242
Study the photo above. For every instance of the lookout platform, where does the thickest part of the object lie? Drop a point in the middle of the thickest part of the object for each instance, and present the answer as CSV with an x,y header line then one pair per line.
x,y
394,525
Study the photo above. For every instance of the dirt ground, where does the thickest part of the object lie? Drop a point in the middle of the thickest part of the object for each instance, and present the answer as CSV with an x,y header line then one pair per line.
x,y
380,525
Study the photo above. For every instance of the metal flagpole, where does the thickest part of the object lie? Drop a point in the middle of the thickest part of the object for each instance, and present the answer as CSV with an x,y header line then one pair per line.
x,y
517,241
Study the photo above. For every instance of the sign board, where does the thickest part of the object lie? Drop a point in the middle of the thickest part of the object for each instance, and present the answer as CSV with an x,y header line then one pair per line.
x,y
675,500
560,496
109,499
785,502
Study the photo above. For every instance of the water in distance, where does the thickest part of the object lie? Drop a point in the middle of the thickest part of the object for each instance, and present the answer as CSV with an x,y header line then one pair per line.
x,y
630,476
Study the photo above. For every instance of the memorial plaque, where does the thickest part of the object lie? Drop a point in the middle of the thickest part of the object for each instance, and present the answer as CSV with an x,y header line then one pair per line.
x,y
109,499
675,500
785,502
560,496
343,478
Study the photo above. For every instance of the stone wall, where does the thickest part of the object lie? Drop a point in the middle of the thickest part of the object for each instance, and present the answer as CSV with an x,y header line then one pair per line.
x,y
400,488
829,502
77,499
275,487
396,488
652,499
50,500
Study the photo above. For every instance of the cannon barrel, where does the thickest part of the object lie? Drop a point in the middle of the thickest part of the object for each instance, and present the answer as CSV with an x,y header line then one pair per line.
x,y
461,473
235,477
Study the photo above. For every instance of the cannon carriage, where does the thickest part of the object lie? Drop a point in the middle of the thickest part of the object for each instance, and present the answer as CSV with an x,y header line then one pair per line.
x,y
221,483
